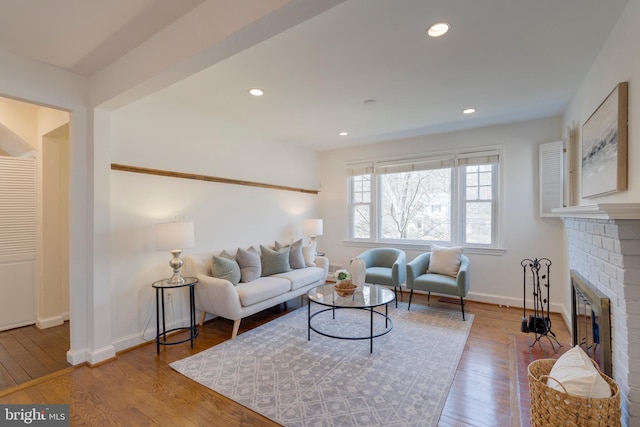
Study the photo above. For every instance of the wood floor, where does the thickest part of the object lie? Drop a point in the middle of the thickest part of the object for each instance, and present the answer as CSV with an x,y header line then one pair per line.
x,y
139,388
28,353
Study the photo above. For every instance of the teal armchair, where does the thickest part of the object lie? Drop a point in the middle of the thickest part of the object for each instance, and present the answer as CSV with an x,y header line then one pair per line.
x,y
385,266
419,278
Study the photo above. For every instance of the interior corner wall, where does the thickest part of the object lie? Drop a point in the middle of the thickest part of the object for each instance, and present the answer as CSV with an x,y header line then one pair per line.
x,y
495,278
150,133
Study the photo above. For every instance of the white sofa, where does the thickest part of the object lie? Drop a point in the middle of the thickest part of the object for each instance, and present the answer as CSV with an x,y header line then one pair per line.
x,y
221,298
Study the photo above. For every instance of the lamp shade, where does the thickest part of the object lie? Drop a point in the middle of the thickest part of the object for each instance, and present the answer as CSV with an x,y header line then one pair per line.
x,y
175,235
312,227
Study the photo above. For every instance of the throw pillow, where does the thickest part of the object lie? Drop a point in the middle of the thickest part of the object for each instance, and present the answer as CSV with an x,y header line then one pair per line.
x,y
274,262
249,262
309,254
296,258
224,266
445,260
578,375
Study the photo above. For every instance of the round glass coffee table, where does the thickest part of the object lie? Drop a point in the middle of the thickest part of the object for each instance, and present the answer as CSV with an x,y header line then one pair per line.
x,y
366,297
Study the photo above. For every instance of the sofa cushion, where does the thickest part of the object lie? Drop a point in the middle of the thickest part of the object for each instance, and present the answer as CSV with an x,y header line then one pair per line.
x,y
262,289
445,260
250,265
296,258
274,261
302,277
309,254
224,266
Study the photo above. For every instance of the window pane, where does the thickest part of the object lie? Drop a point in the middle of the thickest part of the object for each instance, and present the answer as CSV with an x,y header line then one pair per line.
x,y
486,178
485,193
416,205
478,222
361,189
361,222
472,179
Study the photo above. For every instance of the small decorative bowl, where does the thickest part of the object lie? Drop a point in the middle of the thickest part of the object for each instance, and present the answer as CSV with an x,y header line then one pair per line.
x,y
345,288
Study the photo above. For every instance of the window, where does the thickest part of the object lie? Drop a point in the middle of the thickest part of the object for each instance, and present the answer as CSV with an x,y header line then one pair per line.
x,y
360,206
447,199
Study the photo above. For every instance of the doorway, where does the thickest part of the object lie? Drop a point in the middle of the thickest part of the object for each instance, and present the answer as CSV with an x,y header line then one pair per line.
x,y
34,217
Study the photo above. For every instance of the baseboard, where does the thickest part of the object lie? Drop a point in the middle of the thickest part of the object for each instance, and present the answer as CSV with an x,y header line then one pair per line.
x,y
50,322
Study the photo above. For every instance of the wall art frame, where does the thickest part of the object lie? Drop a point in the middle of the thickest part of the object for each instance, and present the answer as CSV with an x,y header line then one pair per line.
x,y
604,145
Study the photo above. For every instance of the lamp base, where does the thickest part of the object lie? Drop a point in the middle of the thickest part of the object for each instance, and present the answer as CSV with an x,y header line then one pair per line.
x,y
176,264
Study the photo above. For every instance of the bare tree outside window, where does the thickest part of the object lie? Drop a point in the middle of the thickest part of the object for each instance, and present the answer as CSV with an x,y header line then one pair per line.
x,y
408,205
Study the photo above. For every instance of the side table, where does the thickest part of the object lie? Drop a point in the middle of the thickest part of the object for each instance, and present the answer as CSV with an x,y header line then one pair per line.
x,y
160,287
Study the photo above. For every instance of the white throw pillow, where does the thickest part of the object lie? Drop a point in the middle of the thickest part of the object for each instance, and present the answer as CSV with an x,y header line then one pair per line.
x,y
309,254
577,374
445,260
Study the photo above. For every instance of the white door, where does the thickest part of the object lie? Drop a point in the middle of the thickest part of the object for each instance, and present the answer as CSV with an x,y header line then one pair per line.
x,y
18,234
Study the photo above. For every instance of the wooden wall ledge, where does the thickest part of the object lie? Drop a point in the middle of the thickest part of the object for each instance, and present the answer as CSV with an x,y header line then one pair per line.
x,y
198,177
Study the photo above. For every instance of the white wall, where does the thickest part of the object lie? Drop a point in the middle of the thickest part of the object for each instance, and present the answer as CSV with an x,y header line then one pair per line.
x,y
618,61
152,134
494,278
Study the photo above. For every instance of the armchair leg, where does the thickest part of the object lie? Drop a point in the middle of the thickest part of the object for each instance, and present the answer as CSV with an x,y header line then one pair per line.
x,y
428,297
202,315
462,305
410,296
395,291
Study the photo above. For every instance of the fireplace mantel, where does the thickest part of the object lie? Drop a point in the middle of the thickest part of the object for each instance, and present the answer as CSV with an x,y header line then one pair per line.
x,y
601,211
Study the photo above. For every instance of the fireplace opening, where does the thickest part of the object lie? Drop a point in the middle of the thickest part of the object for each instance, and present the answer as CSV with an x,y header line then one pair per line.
x,y
591,323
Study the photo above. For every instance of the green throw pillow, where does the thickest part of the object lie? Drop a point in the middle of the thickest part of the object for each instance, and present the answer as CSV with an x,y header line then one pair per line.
x,y
224,266
296,259
274,262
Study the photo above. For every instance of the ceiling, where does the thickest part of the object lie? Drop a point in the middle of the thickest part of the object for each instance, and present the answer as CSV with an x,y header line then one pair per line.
x,y
512,60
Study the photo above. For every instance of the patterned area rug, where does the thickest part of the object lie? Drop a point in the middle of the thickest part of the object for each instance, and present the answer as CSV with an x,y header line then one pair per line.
x,y
276,371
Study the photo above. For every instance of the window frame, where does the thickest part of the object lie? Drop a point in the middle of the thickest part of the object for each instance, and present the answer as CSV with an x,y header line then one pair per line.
x,y
458,198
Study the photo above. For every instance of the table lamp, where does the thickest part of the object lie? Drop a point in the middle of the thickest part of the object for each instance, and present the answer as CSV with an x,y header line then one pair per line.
x,y
312,228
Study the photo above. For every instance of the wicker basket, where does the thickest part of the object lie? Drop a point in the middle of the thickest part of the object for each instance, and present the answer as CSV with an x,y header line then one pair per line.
x,y
550,407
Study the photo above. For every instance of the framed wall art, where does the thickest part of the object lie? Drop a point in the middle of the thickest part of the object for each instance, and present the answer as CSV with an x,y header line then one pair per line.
x,y
604,146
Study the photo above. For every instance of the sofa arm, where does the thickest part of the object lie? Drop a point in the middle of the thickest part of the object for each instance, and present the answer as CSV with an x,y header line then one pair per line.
x,y
323,263
217,296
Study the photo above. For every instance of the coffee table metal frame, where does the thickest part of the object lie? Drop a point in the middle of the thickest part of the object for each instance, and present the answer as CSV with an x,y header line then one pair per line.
x,y
327,296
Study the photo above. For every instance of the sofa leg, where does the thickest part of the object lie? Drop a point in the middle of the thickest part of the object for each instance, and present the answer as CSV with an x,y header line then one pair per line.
x,y
202,315
428,297
462,304
236,326
410,296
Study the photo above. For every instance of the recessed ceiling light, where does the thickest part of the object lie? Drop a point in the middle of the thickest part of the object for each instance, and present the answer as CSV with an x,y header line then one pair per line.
x,y
438,29
256,92
343,133
468,111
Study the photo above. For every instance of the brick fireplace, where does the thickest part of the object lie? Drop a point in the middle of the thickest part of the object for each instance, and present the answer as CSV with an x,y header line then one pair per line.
x,y
604,248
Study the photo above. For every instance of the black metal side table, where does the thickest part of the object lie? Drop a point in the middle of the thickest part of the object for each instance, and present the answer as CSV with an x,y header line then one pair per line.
x,y
161,337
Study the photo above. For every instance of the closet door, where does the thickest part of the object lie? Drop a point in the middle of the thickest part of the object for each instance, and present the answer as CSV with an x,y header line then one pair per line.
x,y
18,233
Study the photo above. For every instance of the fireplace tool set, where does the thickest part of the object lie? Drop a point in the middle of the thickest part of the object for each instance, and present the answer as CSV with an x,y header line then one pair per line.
x,y
539,322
